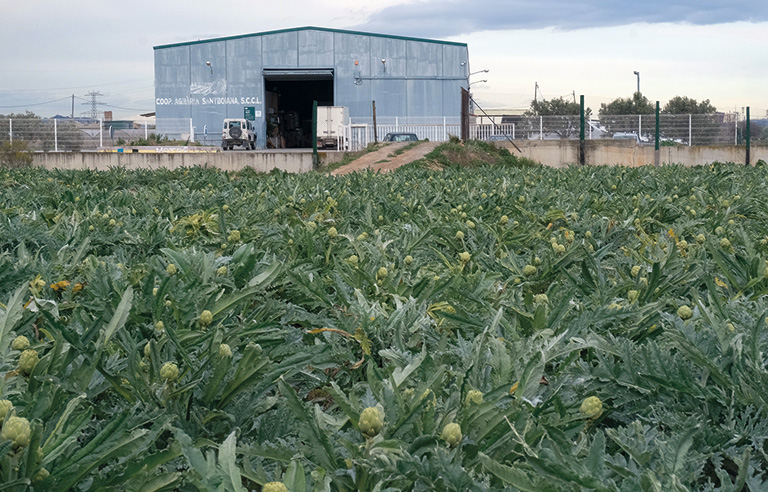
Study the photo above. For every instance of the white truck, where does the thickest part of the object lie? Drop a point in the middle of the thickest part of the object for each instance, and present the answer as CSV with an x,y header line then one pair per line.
x,y
331,124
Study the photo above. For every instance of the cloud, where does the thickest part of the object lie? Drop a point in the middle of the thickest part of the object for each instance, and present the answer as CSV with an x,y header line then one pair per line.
x,y
449,18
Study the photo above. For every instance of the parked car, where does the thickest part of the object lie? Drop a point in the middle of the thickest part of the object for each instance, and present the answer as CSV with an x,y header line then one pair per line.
x,y
498,138
238,131
400,137
626,136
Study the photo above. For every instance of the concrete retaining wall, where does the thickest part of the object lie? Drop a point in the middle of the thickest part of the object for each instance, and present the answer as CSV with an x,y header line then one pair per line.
x,y
294,162
553,153
563,153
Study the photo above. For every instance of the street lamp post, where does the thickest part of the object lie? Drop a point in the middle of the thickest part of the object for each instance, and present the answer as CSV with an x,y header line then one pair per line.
x,y
474,73
479,71
638,80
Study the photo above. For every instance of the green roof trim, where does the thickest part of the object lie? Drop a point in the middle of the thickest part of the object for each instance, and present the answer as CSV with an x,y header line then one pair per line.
x,y
308,28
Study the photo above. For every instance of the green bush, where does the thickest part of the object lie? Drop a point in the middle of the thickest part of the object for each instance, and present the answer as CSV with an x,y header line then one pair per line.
x,y
15,154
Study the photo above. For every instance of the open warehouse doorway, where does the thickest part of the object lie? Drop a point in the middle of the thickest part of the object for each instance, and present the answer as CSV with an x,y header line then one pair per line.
x,y
288,97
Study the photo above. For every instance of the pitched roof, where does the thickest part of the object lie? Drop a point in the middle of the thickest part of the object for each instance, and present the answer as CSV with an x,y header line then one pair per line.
x,y
309,28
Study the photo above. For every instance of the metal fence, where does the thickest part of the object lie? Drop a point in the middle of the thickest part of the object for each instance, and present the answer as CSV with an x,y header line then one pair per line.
x,y
682,129
64,135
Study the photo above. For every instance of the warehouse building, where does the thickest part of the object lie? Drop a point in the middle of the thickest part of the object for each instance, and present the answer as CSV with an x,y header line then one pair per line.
x,y
273,78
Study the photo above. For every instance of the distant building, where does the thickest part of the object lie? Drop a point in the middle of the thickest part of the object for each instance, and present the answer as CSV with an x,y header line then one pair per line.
x,y
274,77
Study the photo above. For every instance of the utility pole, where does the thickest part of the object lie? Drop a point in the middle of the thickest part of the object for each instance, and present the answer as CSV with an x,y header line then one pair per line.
x,y
73,107
535,91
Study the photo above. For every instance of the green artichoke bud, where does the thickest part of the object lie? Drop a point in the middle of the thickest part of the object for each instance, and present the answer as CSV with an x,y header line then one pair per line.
x,y
529,270
459,235
147,350
408,259
159,326
169,371
234,236
171,269
633,295
504,219
382,273
353,259
684,312
591,407
332,232
701,239
540,299
474,396
206,317
635,270
274,487
225,350
221,271
464,257
20,343
27,361
452,434
17,429
370,422
41,475
5,405
725,243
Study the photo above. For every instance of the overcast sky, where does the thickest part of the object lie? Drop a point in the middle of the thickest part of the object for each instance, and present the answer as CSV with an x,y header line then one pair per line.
x,y
704,49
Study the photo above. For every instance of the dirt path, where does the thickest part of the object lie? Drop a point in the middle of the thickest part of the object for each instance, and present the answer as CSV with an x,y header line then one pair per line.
x,y
385,160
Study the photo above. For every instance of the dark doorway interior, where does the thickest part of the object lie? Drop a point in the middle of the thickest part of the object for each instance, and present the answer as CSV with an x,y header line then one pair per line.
x,y
289,110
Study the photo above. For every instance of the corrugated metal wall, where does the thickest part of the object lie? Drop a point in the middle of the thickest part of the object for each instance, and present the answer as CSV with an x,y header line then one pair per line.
x,y
207,81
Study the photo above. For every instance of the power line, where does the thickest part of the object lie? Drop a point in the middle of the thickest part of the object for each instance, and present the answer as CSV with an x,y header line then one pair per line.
x,y
127,109
35,104
74,87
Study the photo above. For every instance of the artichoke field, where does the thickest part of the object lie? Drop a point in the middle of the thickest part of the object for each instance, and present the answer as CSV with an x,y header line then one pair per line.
x,y
467,329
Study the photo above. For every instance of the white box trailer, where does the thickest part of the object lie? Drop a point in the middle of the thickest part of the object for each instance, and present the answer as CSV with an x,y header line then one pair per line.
x,y
332,122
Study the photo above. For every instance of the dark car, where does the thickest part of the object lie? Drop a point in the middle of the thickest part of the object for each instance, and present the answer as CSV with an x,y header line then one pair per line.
x,y
400,137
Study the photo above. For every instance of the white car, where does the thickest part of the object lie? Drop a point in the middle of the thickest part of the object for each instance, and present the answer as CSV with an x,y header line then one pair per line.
x,y
238,131
626,136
